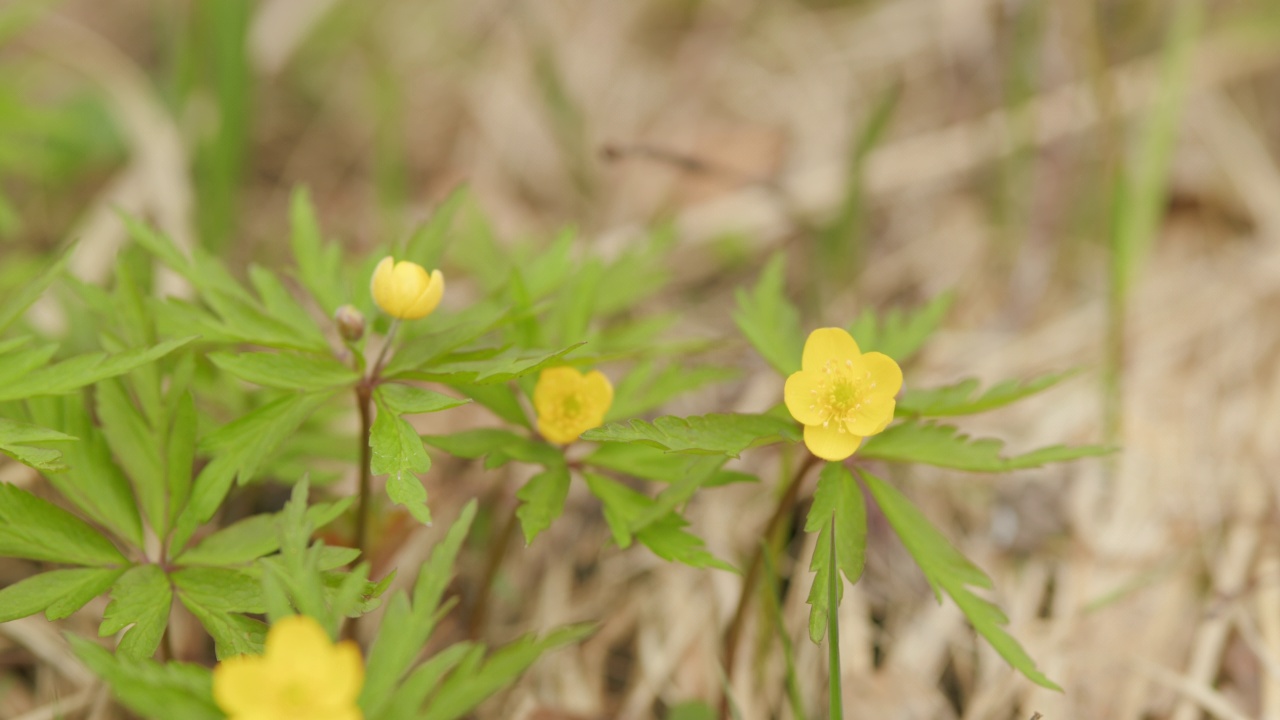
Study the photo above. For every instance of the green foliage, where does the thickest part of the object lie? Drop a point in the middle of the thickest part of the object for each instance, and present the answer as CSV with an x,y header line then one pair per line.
x,y
542,500
945,446
769,321
725,434
897,333
959,399
666,536
839,516
949,571
398,454
151,689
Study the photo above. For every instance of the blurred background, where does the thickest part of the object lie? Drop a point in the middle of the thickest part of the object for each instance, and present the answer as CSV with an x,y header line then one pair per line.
x,y
1096,180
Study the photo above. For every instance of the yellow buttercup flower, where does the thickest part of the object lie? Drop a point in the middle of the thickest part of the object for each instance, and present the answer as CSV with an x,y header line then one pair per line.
x,y
405,289
570,403
302,676
841,395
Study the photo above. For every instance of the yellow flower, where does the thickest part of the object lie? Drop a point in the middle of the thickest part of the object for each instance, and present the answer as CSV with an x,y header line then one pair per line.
x,y
303,676
405,290
840,394
570,403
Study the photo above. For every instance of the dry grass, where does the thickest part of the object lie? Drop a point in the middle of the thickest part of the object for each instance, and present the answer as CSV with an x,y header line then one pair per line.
x,y
1148,591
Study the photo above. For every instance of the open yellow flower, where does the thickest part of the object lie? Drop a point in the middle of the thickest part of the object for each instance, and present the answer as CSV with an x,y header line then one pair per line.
x,y
840,394
302,676
570,403
405,289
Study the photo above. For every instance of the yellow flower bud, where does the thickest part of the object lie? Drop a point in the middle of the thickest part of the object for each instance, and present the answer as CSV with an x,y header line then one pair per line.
x,y
303,674
405,290
570,403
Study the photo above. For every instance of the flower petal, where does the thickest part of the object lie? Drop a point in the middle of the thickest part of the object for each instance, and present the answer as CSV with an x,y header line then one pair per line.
x,y
553,384
599,396
884,372
829,443
380,285
428,298
337,684
828,344
876,412
800,395
297,641
238,685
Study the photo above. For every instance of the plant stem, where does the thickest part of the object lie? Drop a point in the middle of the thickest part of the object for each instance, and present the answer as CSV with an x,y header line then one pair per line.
x,y
497,551
835,709
734,633
364,403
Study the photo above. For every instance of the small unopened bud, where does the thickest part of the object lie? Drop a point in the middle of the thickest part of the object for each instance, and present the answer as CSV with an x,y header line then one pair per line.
x,y
350,323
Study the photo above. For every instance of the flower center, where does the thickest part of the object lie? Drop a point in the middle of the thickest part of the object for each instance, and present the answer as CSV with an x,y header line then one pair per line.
x,y
840,393
571,406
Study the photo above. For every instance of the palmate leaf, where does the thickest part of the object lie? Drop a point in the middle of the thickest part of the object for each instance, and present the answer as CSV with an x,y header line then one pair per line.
x,y
219,597
507,365
542,500
725,434
411,400
319,263
960,398
944,446
16,439
255,536
407,626
898,334
837,507
398,453
768,319
36,529
82,370
156,691
949,571
287,371
647,387
141,598
665,537
474,681
57,592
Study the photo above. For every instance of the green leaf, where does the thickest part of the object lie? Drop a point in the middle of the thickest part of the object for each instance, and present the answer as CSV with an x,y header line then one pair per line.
x,y
944,446
14,307
837,508
898,334
142,598
93,482
692,710
947,570
58,592
218,597
507,365
500,446
35,529
646,387
727,434
768,319
959,399
427,244
319,263
502,400
405,629
406,702
16,439
287,371
156,691
468,687
542,501
180,454
665,537
255,536
398,453
650,463
411,400
248,441
83,370
137,450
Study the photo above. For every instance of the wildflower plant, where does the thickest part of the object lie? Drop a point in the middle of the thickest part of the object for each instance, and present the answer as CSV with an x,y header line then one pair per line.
x,y
186,406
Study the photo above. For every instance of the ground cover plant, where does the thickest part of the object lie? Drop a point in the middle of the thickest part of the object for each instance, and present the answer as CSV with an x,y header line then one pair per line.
x,y
679,360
